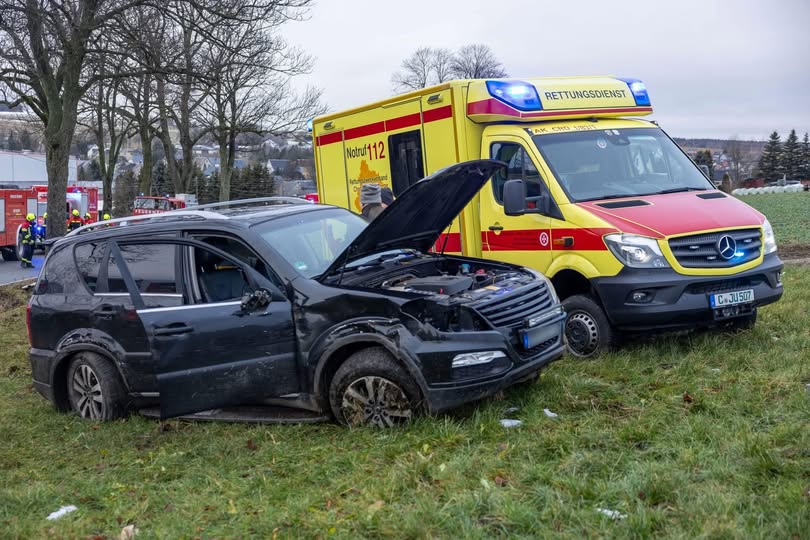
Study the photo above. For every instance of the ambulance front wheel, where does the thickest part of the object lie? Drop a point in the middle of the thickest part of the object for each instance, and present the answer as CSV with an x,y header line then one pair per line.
x,y
587,329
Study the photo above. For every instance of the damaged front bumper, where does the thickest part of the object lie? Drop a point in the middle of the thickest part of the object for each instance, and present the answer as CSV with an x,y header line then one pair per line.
x,y
450,384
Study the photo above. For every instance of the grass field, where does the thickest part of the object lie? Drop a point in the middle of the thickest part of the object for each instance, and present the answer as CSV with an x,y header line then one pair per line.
x,y
789,214
694,436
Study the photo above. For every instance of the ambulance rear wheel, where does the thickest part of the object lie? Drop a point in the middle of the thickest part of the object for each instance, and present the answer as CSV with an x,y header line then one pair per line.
x,y
587,329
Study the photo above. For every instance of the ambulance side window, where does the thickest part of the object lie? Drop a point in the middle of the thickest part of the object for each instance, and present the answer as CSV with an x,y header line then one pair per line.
x,y
520,166
406,160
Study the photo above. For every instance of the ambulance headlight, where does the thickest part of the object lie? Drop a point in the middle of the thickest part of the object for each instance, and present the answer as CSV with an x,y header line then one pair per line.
x,y
518,94
770,239
636,251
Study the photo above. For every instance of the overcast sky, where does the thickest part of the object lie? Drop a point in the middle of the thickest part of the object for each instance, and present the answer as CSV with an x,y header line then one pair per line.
x,y
714,68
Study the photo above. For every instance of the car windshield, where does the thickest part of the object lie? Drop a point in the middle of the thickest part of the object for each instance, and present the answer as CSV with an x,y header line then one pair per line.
x,y
615,163
310,241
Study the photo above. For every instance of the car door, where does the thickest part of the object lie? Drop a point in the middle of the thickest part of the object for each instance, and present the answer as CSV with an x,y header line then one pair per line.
x,y
526,239
208,352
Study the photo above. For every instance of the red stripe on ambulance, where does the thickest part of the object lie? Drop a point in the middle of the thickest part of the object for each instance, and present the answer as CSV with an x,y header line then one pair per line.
x,y
400,122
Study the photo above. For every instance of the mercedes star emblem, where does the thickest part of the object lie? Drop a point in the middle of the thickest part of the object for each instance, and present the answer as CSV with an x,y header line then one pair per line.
x,y
726,246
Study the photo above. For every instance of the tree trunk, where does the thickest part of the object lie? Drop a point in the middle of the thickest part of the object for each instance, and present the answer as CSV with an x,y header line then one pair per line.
x,y
163,133
57,160
224,173
145,180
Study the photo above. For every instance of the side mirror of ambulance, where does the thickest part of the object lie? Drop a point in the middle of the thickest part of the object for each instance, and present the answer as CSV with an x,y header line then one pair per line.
x,y
514,197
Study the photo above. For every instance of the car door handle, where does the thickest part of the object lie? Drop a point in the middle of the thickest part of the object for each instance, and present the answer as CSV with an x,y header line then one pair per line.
x,y
104,312
173,329
496,227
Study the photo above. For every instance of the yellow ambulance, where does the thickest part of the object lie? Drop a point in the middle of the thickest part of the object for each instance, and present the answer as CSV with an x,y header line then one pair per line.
x,y
631,233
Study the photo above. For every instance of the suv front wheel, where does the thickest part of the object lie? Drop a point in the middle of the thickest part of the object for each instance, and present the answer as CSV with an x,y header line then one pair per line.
x,y
371,389
94,389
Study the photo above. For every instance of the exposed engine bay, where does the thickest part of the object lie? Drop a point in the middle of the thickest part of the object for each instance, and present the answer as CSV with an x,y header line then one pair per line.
x,y
446,280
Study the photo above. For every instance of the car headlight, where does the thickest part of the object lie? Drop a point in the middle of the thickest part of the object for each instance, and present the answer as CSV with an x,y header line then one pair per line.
x,y
770,239
636,251
542,277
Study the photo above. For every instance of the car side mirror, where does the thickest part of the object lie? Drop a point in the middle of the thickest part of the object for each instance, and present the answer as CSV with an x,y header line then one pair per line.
x,y
514,197
256,300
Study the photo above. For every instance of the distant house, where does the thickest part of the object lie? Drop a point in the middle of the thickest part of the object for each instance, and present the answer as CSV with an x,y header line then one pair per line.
x,y
204,150
210,165
277,166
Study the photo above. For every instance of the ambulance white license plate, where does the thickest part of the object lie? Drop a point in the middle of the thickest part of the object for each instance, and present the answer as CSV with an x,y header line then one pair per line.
x,y
731,298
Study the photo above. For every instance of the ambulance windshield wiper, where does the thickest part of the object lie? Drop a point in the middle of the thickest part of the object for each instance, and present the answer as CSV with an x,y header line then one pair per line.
x,y
679,190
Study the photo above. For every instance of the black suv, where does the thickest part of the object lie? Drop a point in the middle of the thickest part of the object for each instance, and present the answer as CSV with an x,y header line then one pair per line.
x,y
268,302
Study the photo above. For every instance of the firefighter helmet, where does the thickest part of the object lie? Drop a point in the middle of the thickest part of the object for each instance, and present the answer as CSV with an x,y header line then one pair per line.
x,y
105,217
75,212
30,217
45,215
87,215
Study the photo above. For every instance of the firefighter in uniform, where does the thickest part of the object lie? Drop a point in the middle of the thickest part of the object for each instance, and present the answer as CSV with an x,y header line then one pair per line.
x,y
75,221
88,219
27,240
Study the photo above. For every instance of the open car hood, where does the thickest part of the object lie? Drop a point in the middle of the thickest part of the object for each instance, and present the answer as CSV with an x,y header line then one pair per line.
x,y
419,215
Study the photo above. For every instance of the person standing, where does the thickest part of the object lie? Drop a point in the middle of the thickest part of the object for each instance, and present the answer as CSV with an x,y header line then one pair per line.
x,y
27,239
370,201
75,221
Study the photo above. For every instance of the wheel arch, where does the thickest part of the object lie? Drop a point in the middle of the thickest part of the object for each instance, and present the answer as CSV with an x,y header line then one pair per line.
x,y
61,365
342,349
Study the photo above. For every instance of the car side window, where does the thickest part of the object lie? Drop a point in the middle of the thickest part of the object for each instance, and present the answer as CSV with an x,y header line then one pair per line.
x,y
153,267
88,261
59,275
520,166
241,252
217,279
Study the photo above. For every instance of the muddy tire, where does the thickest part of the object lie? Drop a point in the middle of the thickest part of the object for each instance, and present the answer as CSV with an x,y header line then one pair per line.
x,y
587,330
94,388
371,389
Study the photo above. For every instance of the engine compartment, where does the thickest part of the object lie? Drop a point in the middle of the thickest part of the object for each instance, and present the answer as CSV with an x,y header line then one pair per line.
x,y
447,280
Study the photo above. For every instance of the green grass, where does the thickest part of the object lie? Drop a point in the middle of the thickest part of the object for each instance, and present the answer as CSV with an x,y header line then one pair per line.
x,y
731,462
789,214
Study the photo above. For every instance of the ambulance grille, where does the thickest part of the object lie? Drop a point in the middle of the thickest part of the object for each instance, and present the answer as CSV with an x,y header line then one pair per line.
x,y
510,310
712,250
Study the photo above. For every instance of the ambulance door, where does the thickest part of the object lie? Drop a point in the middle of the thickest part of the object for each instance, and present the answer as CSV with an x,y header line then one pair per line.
x,y
523,240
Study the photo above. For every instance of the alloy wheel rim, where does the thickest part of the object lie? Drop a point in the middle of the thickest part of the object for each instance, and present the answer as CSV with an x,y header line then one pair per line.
x,y
90,402
375,401
582,334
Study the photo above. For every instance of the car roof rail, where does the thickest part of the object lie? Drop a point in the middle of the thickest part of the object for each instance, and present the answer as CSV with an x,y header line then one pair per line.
x,y
238,203
177,215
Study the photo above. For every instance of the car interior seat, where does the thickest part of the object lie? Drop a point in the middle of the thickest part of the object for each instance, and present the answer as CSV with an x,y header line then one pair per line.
x,y
219,280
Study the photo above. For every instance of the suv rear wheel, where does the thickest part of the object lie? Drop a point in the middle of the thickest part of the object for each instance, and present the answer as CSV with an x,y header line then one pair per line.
x,y
371,389
587,329
95,391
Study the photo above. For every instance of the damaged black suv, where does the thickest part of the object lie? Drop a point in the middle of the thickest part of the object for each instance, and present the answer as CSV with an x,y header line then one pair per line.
x,y
258,304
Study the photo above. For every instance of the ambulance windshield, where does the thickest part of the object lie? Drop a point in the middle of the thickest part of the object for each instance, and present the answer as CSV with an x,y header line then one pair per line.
x,y
616,163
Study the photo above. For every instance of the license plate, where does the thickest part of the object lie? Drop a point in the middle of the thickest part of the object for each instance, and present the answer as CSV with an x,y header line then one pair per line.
x,y
731,298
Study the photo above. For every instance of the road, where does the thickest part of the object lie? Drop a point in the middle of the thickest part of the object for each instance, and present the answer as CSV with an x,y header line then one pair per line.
x,y
11,271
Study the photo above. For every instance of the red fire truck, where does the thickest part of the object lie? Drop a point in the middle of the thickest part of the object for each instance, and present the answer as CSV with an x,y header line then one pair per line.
x,y
145,204
16,202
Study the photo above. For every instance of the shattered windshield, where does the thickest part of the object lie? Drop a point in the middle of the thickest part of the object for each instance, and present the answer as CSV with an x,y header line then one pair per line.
x,y
614,163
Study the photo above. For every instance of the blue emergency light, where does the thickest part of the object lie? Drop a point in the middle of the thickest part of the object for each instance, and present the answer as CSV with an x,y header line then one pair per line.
x,y
518,94
309,125
639,91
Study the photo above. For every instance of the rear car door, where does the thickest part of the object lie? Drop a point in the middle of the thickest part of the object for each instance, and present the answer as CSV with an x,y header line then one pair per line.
x,y
207,351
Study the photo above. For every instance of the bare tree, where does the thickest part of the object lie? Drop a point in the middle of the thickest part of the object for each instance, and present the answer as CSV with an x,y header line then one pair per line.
x,y
428,66
442,65
44,46
741,159
477,61
249,68
105,113
415,71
